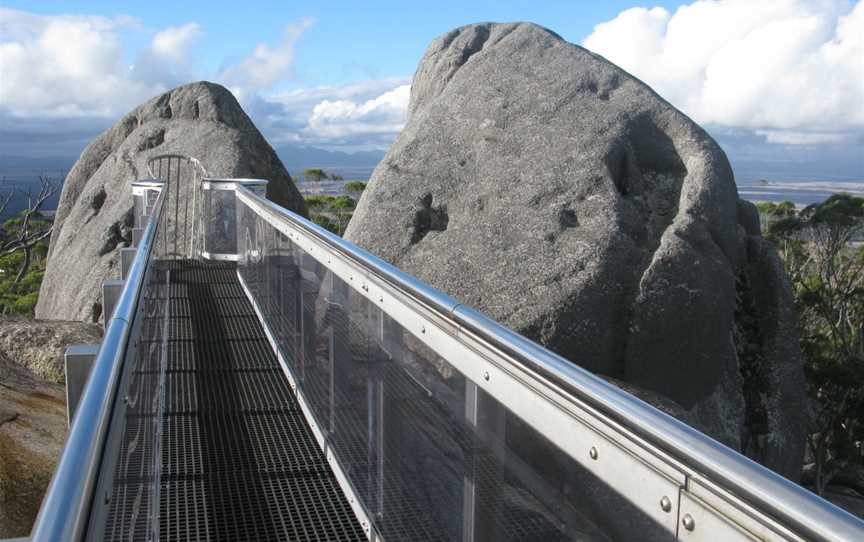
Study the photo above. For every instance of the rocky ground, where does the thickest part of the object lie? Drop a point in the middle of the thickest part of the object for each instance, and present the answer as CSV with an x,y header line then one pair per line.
x,y
32,412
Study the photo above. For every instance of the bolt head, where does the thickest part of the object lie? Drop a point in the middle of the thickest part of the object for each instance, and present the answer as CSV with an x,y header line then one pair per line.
x,y
688,522
666,504
486,376
593,453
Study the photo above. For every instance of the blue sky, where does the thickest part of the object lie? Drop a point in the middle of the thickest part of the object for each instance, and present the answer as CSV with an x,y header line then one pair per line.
x,y
776,81
347,41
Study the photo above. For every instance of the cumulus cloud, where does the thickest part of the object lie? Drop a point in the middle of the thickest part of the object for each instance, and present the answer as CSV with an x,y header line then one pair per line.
x,y
364,115
791,69
65,78
166,63
266,65
73,66
384,114
173,43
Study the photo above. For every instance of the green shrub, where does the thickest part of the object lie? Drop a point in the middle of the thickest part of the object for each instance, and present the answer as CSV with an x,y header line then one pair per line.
x,y
315,174
318,200
343,202
355,186
326,223
25,304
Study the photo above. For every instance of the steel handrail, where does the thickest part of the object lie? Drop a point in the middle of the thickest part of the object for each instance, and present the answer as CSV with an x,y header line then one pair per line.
x,y
66,507
794,506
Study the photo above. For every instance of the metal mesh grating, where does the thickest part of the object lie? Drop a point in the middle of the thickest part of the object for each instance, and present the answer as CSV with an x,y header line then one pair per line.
x,y
238,460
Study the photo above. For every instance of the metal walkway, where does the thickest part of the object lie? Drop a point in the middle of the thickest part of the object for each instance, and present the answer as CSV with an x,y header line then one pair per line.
x,y
263,379
238,460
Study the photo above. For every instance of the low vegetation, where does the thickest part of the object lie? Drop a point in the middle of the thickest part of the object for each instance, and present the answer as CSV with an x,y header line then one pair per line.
x,y
331,212
316,174
355,187
822,252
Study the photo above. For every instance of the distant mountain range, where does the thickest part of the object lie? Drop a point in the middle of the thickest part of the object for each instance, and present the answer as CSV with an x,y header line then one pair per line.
x,y
25,166
298,158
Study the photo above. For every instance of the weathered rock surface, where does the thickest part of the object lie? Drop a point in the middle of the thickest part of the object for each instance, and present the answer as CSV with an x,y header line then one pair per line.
x,y
561,196
845,488
32,423
39,345
94,219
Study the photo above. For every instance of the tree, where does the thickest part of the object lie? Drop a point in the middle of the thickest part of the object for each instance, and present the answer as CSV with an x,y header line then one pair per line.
x,y
315,174
23,233
23,243
331,212
770,213
355,187
822,254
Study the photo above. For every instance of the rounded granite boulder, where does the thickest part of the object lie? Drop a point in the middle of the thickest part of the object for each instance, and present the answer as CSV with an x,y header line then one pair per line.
x,y
558,194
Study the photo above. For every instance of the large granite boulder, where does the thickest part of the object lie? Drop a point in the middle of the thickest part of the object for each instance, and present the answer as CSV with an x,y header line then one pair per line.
x,y
32,412
39,345
94,218
555,192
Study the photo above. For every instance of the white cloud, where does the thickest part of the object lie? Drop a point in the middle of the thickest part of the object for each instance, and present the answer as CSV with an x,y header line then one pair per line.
x,y
363,115
173,43
73,66
384,114
793,69
166,63
266,65
64,78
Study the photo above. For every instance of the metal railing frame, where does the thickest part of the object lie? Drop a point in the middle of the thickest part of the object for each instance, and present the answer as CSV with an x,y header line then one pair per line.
x,y
705,472
731,485
160,167
66,507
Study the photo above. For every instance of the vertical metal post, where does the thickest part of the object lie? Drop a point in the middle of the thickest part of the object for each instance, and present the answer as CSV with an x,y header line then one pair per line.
x,y
111,290
77,361
176,203
380,443
301,323
185,212
136,236
469,495
331,349
127,256
375,404
380,385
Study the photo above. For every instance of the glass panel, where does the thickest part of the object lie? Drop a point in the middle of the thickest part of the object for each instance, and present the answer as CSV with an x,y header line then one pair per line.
x,y
219,222
429,454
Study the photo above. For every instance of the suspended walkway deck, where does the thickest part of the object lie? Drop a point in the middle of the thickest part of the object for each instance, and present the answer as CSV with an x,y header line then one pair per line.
x,y
236,457
263,379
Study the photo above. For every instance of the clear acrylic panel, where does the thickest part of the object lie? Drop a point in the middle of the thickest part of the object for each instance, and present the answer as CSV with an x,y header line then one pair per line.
x,y
219,222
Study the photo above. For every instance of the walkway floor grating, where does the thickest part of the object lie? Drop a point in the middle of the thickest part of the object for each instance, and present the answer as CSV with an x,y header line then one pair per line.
x,y
238,459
